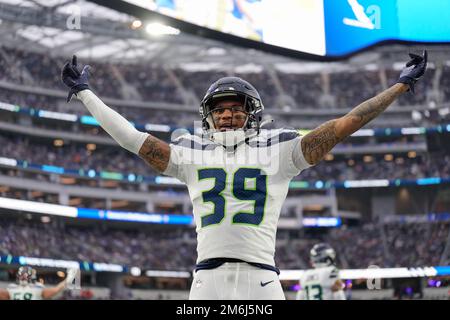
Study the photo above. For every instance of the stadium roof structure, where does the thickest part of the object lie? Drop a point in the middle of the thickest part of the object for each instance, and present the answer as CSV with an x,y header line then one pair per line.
x,y
64,27
46,26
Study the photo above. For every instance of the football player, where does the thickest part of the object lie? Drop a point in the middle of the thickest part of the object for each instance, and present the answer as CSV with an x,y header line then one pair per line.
x,y
237,173
27,287
322,282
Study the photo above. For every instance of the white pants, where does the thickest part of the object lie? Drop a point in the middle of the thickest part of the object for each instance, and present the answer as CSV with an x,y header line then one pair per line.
x,y
236,281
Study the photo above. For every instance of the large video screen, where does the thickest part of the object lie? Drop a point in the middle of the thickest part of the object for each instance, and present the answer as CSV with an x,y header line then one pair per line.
x,y
319,27
351,25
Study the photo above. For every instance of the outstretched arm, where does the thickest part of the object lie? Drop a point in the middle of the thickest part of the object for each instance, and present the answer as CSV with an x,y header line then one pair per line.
x,y
317,143
4,294
320,141
153,150
49,293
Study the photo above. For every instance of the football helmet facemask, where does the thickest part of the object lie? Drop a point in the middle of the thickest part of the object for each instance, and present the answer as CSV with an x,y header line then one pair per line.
x,y
232,88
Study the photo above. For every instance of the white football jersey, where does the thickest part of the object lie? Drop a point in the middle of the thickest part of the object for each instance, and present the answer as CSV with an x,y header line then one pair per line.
x,y
316,284
237,194
25,292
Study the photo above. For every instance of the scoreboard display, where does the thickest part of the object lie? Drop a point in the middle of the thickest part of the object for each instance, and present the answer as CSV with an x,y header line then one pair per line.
x,y
323,28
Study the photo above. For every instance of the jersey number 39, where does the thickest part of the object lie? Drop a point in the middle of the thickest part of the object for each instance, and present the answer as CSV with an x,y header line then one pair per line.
x,y
257,194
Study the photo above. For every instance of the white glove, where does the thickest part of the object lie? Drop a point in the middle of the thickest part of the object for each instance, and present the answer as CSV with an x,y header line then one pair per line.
x,y
71,275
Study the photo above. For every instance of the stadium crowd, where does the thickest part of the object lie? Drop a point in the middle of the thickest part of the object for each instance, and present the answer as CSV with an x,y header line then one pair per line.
x,y
400,168
404,245
29,101
76,156
45,71
133,248
154,83
423,243
370,244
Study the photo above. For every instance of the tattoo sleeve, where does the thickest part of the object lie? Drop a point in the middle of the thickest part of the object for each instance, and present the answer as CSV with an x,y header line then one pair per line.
x,y
156,153
320,141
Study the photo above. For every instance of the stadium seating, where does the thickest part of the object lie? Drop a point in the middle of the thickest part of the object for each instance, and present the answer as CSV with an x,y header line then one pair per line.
x,y
412,244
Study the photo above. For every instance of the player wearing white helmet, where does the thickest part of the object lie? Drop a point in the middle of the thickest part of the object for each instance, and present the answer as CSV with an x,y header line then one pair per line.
x,y
237,174
322,282
27,287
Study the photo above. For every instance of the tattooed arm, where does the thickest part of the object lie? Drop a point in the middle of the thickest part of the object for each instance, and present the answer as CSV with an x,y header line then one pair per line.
x,y
317,143
156,153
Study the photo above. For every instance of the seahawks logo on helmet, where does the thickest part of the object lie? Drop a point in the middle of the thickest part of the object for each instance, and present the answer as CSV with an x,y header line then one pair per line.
x,y
232,88
322,255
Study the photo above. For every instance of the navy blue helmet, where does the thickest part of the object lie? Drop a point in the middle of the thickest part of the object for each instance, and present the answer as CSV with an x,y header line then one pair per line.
x,y
233,88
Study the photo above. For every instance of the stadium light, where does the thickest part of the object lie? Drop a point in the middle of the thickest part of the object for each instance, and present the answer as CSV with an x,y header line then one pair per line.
x,y
136,24
167,180
135,271
158,29
412,154
57,115
45,219
8,162
367,158
167,274
412,131
38,207
9,107
58,143
108,267
416,115
366,183
157,127
319,184
364,133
